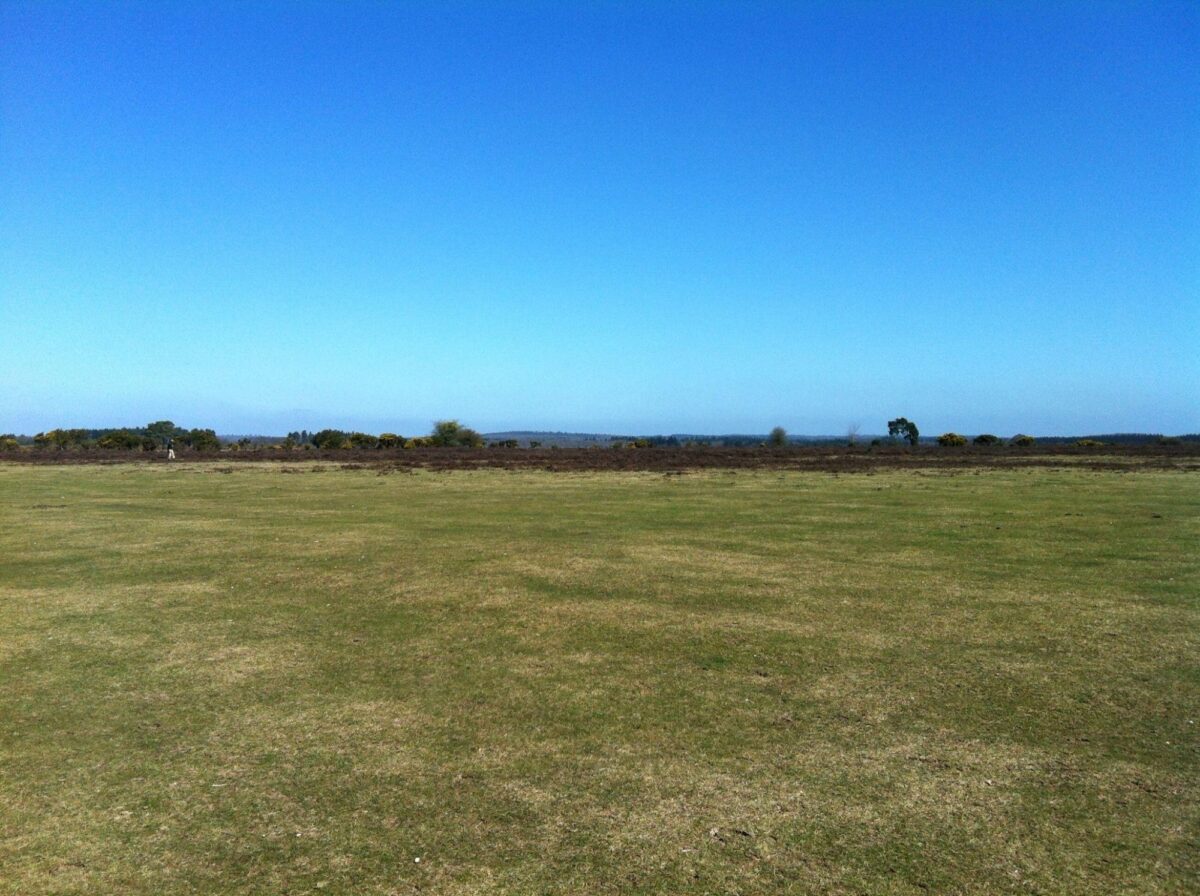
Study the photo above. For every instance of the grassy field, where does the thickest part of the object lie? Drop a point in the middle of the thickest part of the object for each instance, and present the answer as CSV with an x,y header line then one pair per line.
x,y
263,681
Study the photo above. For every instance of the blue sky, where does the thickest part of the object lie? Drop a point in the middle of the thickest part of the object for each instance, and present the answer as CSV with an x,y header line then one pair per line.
x,y
634,217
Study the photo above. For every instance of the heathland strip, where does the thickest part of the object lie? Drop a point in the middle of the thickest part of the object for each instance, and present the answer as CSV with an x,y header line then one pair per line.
x,y
751,681
661,459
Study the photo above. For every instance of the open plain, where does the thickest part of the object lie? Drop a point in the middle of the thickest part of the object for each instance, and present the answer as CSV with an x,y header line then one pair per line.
x,y
301,678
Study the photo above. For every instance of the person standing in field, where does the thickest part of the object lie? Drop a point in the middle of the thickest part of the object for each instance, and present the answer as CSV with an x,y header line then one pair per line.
x,y
170,449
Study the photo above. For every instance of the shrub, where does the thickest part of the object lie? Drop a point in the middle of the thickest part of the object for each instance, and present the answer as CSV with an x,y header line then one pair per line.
x,y
778,437
121,439
1088,443
362,440
9,443
61,438
202,440
987,439
390,440
452,433
951,440
1020,440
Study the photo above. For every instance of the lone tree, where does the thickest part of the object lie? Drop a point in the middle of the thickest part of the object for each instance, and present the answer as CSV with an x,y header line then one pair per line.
x,y
903,428
778,437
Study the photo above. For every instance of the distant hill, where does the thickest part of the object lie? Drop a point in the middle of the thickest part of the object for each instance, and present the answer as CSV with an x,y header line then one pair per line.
x,y
561,439
585,439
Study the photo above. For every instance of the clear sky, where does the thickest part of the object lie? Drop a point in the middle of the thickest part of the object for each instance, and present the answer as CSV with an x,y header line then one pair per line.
x,y
641,217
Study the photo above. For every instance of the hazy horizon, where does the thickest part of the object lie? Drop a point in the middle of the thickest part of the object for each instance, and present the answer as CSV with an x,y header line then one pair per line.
x,y
313,422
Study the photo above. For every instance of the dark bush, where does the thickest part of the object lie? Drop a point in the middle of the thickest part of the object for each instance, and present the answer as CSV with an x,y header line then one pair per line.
x,y
451,433
987,439
951,440
329,438
202,440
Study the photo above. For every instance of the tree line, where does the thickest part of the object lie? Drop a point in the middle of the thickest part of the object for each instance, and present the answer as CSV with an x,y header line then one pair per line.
x,y
151,437
445,434
162,434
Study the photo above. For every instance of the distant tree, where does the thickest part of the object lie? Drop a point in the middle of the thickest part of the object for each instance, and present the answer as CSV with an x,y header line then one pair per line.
x,y
852,435
905,429
163,431
778,437
390,440
8,442
451,433
986,439
362,440
533,443
329,438
951,440
1020,440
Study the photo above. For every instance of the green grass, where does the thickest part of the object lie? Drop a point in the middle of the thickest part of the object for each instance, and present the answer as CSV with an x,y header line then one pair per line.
x,y
258,682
